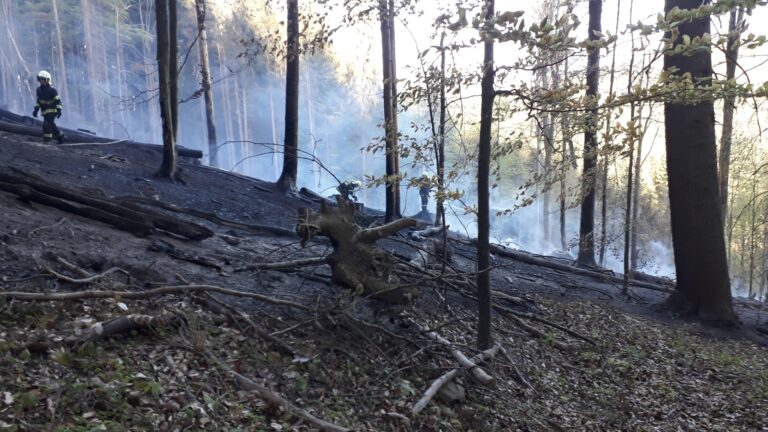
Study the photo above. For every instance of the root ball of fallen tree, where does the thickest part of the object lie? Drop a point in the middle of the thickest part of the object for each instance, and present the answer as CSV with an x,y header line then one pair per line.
x,y
356,261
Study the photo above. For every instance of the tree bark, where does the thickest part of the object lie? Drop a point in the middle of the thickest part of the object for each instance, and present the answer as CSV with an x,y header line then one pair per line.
x,y
166,74
483,187
440,156
392,210
735,27
205,81
587,223
62,82
287,180
703,287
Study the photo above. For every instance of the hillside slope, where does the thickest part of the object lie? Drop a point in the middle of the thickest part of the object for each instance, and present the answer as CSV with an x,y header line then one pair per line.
x,y
576,355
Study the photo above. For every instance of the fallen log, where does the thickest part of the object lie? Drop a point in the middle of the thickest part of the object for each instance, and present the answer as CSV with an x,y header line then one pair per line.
x,y
39,190
135,202
128,323
524,257
137,227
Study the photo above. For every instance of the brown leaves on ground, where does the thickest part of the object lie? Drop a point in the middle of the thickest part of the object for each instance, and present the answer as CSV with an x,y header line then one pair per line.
x,y
643,376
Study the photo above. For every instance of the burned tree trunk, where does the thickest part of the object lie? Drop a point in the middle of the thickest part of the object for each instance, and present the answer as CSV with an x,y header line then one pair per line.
x,y
356,261
287,180
167,72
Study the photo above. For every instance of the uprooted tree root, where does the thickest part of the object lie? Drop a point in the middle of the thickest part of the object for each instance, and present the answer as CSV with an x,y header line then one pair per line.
x,y
356,262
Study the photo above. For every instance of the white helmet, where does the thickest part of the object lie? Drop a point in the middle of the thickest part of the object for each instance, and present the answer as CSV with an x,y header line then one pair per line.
x,y
44,75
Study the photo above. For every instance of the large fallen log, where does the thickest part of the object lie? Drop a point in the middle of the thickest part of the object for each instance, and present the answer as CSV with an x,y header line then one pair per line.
x,y
84,138
603,276
356,261
101,209
26,193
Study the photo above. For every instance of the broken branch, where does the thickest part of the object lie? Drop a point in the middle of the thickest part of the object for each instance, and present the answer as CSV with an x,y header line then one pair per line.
x,y
448,377
138,295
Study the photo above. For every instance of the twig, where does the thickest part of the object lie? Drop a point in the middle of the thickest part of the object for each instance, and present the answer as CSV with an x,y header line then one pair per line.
x,y
87,279
533,317
233,315
448,377
74,268
138,295
284,264
275,398
59,222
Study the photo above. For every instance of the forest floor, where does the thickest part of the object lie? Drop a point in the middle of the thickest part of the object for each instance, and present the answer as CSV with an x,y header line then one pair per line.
x,y
577,355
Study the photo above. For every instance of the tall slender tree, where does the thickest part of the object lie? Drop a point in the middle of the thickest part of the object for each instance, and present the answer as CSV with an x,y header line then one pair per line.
x,y
164,12
703,286
587,225
205,81
287,180
483,186
735,28
392,194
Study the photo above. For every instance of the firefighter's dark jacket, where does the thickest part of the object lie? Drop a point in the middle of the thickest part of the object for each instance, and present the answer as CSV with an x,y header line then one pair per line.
x,y
48,100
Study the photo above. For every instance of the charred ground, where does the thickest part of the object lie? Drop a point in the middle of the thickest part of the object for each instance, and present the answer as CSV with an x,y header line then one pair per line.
x,y
357,363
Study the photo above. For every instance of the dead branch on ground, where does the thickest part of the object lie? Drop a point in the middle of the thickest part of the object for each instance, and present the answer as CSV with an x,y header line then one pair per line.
x,y
436,385
139,295
235,317
480,375
275,398
284,264
32,188
88,279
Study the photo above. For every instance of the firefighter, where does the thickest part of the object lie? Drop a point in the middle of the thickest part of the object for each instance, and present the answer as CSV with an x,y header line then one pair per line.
x,y
49,103
424,190
348,188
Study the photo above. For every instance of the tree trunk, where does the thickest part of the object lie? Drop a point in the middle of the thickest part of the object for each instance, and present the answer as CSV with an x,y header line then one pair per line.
x,y
631,138
703,287
287,180
735,27
62,81
173,54
152,109
120,72
440,198
166,74
565,128
275,149
390,120
604,171
93,78
483,188
205,82
587,224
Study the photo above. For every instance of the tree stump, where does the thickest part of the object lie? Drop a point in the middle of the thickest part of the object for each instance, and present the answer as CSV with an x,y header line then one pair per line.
x,y
356,261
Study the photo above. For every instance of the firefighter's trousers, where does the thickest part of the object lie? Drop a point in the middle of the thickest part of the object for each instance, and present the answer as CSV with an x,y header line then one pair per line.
x,y
50,130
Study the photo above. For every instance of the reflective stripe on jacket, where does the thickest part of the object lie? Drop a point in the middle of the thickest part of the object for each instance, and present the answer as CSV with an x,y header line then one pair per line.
x,y
48,100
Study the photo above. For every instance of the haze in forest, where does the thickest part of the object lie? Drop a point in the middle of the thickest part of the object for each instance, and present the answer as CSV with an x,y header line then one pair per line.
x,y
108,57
